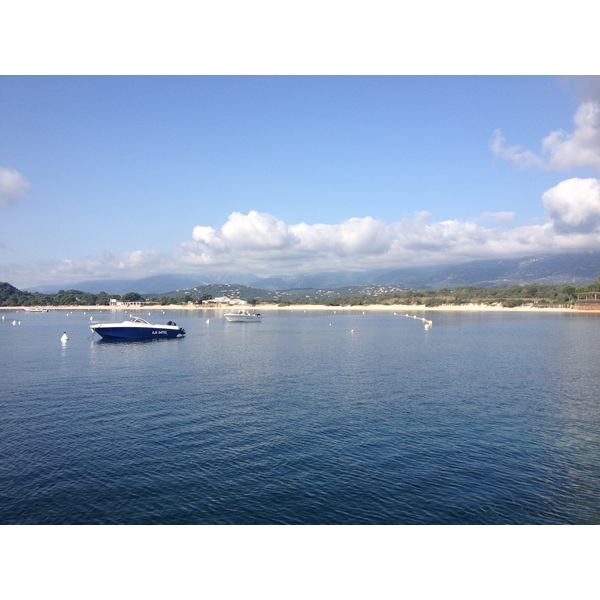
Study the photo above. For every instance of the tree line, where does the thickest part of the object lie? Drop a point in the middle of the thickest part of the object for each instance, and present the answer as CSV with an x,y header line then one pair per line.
x,y
11,296
508,296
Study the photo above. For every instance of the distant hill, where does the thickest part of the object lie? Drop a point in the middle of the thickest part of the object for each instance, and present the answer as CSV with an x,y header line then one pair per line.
x,y
230,290
549,269
552,269
11,296
147,285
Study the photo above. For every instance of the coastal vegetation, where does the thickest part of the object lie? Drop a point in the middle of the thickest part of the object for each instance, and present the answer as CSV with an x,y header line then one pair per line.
x,y
507,296
11,296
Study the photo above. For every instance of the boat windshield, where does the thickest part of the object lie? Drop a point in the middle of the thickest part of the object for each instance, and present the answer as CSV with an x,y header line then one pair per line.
x,y
138,320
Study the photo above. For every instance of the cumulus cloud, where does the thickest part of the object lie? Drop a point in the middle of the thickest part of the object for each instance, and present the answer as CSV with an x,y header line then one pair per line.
x,y
12,187
206,236
263,245
574,206
580,148
256,231
560,150
259,237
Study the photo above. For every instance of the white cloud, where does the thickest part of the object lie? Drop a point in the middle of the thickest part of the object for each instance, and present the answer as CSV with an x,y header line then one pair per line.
x,y
271,247
260,244
560,150
12,187
355,236
522,159
580,148
574,205
206,236
263,238
256,231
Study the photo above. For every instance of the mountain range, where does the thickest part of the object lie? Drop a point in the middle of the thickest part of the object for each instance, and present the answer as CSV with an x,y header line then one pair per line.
x,y
552,269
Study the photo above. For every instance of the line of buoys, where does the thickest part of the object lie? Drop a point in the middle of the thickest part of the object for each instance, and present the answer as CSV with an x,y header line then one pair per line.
x,y
427,322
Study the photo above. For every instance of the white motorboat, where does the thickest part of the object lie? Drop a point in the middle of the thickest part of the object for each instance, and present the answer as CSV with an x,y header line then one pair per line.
x,y
243,316
137,328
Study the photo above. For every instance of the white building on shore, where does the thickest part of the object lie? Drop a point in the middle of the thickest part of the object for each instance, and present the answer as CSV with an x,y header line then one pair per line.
x,y
118,303
223,301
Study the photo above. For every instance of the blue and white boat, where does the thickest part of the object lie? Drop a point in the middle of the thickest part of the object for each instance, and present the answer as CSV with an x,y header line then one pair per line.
x,y
137,328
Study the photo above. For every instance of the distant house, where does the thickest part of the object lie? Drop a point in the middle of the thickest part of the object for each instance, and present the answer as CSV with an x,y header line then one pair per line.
x,y
216,301
223,301
117,303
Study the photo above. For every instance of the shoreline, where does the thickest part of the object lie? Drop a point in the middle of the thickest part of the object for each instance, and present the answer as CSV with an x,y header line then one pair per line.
x,y
319,307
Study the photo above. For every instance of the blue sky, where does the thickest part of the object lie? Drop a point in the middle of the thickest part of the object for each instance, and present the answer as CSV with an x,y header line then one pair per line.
x,y
131,176
304,138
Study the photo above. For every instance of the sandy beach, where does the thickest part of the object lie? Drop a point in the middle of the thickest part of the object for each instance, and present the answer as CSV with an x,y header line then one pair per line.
x,y
396,308
404,308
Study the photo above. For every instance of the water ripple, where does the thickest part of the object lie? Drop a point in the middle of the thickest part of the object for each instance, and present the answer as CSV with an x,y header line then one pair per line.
x,y
298,422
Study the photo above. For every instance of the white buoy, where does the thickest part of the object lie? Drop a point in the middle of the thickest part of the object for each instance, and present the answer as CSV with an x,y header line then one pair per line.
x,y
91,318
15,322
64,337
207,321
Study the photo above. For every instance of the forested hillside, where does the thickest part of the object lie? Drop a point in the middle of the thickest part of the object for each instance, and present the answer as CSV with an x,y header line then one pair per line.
x,y
508,296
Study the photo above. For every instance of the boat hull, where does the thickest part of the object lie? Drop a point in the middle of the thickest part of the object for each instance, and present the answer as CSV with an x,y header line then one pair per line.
x,y
128,333
137,329
242,318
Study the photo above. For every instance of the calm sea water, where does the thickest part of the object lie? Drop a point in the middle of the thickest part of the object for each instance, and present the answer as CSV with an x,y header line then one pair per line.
x,y
487,418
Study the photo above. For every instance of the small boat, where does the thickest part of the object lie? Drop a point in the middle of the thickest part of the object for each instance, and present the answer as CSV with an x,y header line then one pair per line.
x,y
243,316
137,328
35,309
